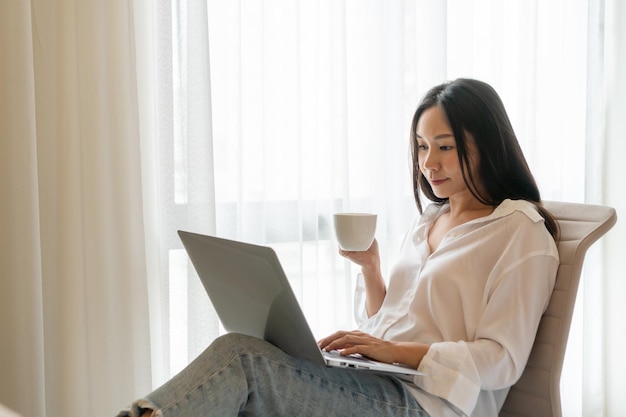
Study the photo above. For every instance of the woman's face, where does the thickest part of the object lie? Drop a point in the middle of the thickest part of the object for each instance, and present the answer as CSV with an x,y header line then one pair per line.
x,y
437,155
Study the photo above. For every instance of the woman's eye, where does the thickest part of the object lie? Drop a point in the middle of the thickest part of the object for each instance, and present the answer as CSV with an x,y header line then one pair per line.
x,y
445,148
422,147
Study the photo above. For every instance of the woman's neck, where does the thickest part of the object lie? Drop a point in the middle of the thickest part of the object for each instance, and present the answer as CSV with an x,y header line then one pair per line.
x,y
468,208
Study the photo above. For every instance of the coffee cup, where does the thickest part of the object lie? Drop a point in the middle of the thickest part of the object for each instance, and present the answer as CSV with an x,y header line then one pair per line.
x,y
355,231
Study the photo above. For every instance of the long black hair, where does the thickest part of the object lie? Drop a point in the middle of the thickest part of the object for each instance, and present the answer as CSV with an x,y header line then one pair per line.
x,y
473,108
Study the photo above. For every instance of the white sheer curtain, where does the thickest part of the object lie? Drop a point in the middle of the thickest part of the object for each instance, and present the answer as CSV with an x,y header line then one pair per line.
x,y
73,308
177,168
611,306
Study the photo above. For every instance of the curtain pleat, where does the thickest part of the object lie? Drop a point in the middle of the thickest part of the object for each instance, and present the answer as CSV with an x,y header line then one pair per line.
x,y
22,384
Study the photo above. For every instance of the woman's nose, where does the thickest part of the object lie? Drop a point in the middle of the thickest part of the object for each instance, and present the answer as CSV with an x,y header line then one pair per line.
x,y
430,161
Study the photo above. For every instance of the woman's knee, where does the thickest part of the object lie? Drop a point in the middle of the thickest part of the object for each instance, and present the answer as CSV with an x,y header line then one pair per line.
x,y
236,343
226,347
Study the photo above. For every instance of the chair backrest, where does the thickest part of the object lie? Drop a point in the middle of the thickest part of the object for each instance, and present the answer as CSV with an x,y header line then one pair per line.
x,y
537,393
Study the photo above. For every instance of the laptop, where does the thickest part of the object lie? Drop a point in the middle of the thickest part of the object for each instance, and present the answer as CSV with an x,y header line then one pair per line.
x,y
251,295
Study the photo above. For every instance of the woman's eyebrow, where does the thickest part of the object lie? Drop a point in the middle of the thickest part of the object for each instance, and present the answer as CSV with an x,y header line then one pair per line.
x,y
438,137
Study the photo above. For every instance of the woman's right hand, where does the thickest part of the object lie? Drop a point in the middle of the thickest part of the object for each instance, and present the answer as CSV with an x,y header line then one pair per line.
x,y
368,260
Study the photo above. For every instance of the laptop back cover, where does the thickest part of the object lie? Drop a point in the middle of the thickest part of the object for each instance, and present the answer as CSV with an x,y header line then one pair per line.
x,y
250,293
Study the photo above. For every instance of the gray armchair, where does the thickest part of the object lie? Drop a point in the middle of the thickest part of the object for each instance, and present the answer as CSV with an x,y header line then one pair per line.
x,y
537,393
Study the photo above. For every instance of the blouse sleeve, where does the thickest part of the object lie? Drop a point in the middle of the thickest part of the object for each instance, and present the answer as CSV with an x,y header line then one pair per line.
x,y
496,358
360,313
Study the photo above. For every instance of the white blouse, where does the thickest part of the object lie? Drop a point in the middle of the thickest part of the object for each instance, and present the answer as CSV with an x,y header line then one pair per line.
x,y
477,300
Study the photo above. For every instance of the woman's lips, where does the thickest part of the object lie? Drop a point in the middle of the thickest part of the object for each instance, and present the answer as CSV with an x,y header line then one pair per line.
x,y
437,182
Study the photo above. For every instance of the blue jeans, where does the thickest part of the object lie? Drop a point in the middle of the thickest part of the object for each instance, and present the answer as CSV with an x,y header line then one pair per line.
x,y
243,376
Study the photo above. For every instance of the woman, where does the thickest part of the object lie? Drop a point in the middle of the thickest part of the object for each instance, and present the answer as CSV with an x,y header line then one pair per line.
x,y
475,273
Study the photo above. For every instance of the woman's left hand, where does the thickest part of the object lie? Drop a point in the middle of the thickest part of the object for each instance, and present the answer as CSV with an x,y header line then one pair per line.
x,y
350,342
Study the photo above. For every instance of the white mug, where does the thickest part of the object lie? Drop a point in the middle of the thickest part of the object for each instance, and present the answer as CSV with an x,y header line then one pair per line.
x,y
355,231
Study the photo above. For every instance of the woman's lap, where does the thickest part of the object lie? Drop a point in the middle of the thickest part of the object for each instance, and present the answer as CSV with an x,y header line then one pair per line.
x,y
241,375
